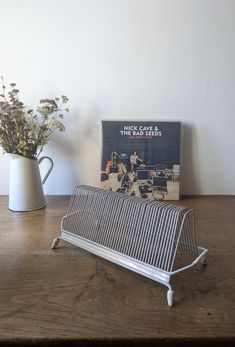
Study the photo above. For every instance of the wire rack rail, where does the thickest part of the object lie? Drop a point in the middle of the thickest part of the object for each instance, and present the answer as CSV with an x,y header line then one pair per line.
x,y
141,235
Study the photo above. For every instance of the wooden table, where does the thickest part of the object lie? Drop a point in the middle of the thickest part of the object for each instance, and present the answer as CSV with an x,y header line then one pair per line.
x,y
69,297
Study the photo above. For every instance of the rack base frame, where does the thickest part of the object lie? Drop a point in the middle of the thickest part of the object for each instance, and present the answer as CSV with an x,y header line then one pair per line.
x,y
129,263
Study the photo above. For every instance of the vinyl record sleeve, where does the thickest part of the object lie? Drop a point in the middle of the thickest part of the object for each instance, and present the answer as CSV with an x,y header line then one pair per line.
x,y
142,158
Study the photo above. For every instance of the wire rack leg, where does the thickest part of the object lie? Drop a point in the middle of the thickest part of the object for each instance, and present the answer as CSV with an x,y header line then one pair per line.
x,y
55,243
204,261
170,297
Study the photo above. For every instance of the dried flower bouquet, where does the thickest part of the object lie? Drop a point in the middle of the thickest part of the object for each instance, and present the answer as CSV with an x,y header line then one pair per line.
x,y
24,131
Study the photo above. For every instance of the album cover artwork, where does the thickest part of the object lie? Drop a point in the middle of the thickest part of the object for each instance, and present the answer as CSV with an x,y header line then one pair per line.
x,y
142,158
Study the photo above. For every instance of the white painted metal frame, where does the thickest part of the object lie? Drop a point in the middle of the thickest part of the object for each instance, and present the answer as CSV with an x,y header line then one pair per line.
x,y
135,233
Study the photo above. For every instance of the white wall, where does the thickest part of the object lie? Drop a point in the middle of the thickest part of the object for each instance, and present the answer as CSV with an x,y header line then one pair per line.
x,y
127,59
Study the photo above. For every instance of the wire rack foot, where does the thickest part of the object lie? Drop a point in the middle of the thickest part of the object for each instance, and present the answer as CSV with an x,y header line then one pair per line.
x,y
55,243
170,297
204,261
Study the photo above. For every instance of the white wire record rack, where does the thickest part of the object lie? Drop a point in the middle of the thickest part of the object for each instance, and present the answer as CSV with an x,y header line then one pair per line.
x,y
141,235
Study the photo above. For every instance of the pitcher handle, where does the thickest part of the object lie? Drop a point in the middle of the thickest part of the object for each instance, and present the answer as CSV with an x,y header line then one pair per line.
x,y
49,170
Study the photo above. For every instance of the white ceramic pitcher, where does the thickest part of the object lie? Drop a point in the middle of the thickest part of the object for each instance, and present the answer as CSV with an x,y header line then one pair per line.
x,y
26,191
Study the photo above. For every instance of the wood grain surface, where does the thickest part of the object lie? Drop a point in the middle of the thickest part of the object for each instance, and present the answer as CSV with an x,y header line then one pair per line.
x,y
72,298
